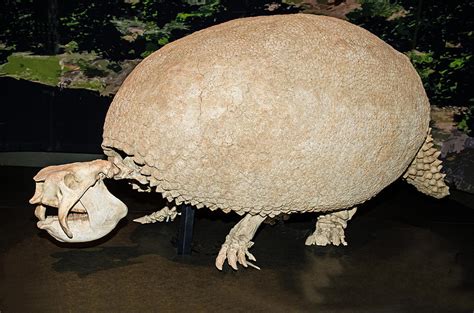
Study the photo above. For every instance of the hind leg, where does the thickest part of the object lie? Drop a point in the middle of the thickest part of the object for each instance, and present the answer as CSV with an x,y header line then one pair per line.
x,y
238,241
330,228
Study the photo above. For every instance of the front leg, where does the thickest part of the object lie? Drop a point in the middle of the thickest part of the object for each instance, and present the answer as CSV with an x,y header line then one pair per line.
x,y
166,214
330,228
238,241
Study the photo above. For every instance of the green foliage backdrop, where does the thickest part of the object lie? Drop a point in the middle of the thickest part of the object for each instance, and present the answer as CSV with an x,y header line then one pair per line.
x,y
98,37
436,35
438,38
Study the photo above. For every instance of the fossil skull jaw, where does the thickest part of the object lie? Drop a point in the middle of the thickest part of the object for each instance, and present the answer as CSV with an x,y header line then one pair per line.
x,y
86,209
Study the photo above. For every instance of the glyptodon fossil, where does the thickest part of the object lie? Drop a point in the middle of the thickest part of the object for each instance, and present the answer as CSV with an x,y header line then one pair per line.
x,y
262,116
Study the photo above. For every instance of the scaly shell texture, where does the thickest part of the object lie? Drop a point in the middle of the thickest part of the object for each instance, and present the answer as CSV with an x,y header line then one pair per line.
x,y
269,115
425,171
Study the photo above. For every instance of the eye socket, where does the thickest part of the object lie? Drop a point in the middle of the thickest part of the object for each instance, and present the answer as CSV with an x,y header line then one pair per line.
x,y
70,181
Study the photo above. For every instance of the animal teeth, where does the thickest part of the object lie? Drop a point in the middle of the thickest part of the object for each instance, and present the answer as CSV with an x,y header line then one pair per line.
x,y
78,210
76,216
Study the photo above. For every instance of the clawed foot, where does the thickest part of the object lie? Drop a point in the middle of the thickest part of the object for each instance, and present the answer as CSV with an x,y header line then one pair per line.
x,y
327,234
236,250
330,229
238,242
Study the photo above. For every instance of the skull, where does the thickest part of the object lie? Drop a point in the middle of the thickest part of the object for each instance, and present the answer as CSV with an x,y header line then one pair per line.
x,y
86,209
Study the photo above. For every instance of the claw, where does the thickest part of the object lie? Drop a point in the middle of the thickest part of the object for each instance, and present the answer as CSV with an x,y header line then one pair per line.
x,y
250,256
236,246
221,257
241,256
232,260
254,266
219,264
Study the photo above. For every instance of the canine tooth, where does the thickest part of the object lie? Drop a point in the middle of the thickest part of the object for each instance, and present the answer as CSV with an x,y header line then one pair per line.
x,y
62,217
63,210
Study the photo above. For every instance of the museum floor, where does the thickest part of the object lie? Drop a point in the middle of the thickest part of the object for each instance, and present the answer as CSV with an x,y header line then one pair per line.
x,y
406,253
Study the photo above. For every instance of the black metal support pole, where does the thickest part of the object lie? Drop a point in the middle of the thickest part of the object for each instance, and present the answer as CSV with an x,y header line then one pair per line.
x,y
185,235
